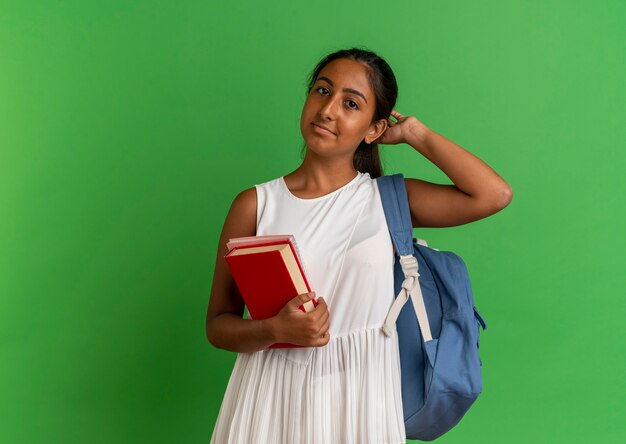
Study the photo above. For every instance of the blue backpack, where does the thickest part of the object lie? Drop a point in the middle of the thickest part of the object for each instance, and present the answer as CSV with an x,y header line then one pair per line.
x,y
437,323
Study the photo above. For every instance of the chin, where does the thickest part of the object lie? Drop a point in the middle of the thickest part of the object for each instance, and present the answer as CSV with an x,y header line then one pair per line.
x,y
325,148
316,146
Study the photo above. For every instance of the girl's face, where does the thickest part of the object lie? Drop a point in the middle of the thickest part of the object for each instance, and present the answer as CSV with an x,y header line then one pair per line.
x,y
337,114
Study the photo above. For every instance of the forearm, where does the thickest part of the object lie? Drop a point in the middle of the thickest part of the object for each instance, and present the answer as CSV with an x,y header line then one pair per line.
x,y
231,332
468,173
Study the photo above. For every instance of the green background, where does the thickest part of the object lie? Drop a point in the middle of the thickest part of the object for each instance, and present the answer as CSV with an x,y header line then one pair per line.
x,y
127,128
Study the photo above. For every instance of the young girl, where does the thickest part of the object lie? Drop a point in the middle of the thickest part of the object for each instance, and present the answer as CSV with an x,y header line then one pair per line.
x,y
344,385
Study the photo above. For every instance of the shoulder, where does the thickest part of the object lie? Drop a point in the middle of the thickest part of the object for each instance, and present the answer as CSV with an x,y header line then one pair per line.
x,y
244,203
245,200
241,218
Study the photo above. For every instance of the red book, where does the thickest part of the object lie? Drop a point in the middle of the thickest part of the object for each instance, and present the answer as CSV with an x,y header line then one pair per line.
x,y
269,273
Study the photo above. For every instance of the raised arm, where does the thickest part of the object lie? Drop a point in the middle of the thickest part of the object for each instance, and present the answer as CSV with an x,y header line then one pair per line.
x,y
225,327
478,191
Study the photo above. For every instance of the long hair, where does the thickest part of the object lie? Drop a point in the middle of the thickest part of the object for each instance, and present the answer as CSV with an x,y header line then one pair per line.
x,y
383,82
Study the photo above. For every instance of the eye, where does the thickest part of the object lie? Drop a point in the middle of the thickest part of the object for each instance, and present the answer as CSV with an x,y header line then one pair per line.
x,y
322,90
352,104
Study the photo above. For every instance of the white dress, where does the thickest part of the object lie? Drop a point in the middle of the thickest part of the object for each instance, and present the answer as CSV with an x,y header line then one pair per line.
x,y
348,391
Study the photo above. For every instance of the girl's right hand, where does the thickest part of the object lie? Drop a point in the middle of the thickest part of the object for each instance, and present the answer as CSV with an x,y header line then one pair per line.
x,y
294,326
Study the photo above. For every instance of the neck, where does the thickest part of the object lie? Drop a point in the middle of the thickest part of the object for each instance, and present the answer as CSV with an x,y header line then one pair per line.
x,y
319,173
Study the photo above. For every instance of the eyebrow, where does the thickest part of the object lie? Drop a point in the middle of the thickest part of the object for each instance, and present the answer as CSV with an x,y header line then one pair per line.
x,y
350,90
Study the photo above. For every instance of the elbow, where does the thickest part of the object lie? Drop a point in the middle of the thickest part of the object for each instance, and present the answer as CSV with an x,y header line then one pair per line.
x,y
497,200
210,334
504,197
215,335
214,341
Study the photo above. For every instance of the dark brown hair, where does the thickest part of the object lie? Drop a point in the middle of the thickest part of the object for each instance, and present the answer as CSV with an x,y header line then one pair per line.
x,y
383,82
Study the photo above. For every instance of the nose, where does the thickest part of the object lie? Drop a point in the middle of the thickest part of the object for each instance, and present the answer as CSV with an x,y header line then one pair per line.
x,y
328,110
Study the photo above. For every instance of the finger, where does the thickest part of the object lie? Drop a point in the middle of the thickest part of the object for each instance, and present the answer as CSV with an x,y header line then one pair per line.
x,y
326,337
325,326
319,324
321,311
318,317
396,114
323,320
299,300
323,339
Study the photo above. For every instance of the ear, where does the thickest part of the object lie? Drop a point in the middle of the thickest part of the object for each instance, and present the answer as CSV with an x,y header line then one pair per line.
x,y
375,130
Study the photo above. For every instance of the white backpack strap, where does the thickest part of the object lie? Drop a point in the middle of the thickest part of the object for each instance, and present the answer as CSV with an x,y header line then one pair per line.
x,y
410,289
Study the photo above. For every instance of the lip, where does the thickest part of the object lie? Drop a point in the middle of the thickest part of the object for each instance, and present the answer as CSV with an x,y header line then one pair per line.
x,y
323,129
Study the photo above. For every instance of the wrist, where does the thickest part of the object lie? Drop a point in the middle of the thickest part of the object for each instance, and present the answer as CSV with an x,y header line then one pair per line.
x,y
418,136
267,331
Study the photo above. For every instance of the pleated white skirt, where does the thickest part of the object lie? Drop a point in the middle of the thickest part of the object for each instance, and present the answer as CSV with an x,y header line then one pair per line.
x,y
345,392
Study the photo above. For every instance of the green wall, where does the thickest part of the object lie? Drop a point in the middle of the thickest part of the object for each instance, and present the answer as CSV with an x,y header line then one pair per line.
x,y
127,128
